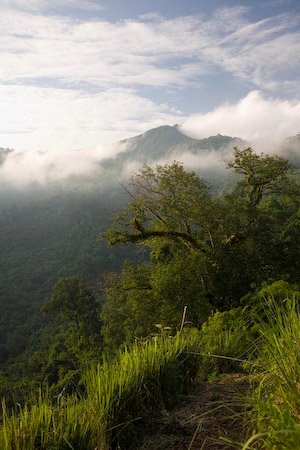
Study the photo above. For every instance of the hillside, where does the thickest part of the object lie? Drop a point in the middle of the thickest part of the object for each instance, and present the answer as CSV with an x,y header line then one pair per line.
x,y
167,142
112,352
50,231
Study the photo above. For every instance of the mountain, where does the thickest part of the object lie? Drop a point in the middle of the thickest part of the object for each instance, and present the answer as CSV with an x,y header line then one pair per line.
x,y
51,231
168,143
159,145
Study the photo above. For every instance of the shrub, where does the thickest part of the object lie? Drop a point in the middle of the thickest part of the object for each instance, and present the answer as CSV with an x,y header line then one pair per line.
x,y
227,340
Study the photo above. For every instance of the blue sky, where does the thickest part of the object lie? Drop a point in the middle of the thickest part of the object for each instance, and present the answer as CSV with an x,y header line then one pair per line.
x,y
82,74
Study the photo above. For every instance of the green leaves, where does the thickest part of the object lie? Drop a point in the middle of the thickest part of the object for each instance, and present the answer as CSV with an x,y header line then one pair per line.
x,y
207,251
72,298
165,204
261,173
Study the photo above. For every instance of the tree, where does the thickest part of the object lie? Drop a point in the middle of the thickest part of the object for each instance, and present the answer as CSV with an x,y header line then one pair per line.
x,y
167,203
207,252
130,310
261,175
153,293
76,304
172,204
75,341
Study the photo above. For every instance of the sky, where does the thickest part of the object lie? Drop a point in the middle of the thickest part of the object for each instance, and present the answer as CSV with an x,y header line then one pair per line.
x,y
78,75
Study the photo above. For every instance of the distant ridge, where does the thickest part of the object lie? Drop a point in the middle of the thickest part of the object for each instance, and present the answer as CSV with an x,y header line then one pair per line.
x,y
166,142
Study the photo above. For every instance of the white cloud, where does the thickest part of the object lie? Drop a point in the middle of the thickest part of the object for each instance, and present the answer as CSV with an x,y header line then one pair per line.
x,y
160,52
48,118
69,84
266,53
96,53
40,5
21,169
59,132
261,121
206,161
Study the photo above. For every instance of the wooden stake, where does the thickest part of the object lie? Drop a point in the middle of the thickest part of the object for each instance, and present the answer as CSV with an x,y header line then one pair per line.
x,y
183,319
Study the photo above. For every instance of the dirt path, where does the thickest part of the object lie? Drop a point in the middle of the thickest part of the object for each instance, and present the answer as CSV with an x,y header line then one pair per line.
x,y
214,410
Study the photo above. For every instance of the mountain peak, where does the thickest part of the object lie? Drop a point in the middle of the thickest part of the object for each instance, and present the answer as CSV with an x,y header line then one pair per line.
x,y
167,142
169,132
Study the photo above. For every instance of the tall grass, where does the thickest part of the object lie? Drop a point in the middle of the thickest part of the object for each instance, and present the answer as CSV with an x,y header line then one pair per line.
x,y
141,380
45,424
121,396
276,401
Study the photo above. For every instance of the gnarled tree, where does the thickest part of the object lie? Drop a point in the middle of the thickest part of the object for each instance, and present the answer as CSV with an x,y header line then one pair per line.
x,y
207,251
172,204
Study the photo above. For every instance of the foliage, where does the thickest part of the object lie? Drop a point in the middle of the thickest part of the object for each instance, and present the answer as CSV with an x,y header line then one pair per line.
x,y
261,173
76,303
276,401
141,297
225,257
165,203
207,251
174,204
278,291
227,342
42,240
121,394
130,310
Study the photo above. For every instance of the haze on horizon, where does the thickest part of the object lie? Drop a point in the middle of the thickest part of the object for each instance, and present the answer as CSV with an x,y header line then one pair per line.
x,y
77,77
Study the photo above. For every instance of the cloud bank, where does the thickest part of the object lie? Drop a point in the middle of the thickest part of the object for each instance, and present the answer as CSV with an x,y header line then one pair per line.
x,y
148,52
66,120
70,87
264,122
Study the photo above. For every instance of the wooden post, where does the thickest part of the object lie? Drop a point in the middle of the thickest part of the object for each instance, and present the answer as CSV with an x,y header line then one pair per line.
x,y
183,319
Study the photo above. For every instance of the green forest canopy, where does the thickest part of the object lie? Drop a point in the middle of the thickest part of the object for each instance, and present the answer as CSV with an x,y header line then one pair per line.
x,y
207,252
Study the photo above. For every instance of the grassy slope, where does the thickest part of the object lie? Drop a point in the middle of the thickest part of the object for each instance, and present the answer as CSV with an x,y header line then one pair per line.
x,y
120,398
275,403
124,395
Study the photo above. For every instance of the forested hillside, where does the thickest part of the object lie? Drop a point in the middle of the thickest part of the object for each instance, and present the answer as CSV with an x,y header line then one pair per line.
x,y
41,242
51,230
79,288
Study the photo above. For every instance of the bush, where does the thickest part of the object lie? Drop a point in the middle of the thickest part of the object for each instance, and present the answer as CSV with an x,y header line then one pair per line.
x,y
227,340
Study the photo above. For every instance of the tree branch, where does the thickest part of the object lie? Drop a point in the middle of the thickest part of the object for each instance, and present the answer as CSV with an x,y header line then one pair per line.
x,y
144,235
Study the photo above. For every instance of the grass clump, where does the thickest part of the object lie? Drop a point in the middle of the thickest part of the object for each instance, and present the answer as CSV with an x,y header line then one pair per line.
x,y
276,400
143,379
121,396
46,424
